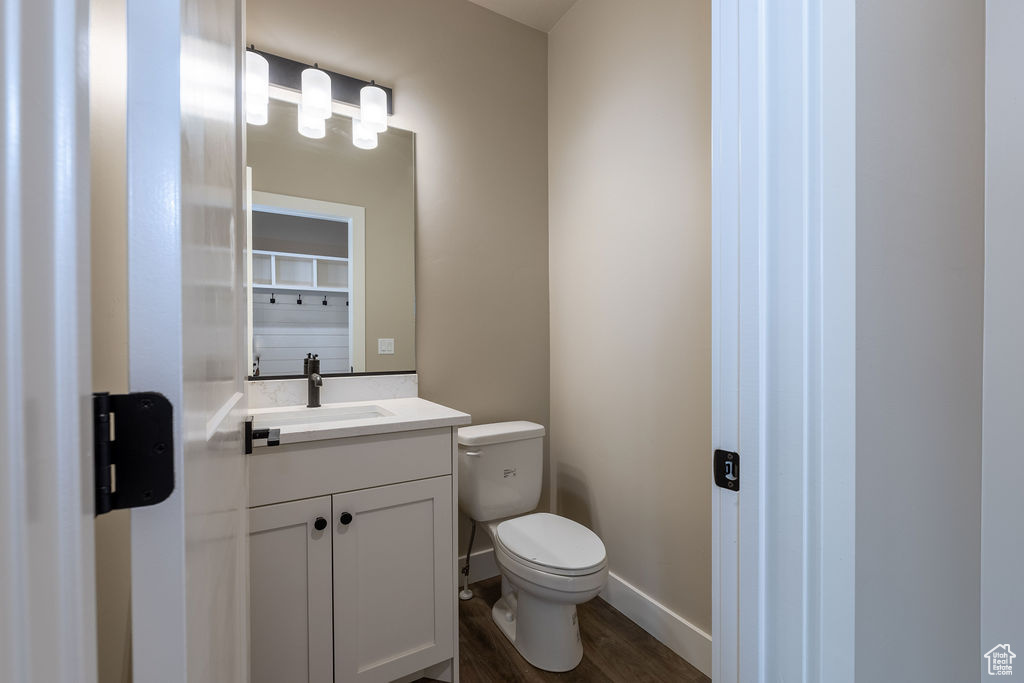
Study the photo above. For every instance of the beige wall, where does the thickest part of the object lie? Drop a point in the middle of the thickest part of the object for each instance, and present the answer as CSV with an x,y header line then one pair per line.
x,y
920,235
383,182
472,85
630,236
110,313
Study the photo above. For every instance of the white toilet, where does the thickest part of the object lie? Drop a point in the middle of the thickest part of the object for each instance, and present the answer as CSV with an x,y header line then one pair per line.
x,y
549,564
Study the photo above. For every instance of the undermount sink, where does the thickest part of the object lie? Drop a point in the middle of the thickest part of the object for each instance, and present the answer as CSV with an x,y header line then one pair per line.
x,y
304,416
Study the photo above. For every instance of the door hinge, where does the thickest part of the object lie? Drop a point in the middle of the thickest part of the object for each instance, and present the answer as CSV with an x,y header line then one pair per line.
x,y
727,470
133,449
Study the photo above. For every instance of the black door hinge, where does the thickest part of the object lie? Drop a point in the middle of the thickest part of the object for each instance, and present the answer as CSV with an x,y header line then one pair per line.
x,y
133,444
727,470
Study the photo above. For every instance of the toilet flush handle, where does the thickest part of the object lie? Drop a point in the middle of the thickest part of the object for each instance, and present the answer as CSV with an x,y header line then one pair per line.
x,y
473,453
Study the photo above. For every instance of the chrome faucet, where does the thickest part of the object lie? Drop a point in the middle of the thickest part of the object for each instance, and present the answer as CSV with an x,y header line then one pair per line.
x,y
313,383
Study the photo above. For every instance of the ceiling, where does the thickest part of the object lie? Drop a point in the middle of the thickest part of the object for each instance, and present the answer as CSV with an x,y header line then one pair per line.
x,y
540,14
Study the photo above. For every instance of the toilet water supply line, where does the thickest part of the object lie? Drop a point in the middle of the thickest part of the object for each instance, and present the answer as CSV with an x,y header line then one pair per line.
x,y
465,593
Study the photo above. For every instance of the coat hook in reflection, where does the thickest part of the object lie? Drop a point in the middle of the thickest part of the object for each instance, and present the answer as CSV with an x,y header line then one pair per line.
x,y
325,300
299,302
272,299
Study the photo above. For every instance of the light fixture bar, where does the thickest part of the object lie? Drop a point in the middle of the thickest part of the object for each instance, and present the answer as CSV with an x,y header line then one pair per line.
x,y
287,73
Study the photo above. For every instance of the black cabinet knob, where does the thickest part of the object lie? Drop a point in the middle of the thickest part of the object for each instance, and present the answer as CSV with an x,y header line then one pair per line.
x,y
320,524
346,518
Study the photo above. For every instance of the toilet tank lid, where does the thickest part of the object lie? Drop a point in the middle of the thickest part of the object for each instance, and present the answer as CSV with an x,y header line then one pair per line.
x,y
499,432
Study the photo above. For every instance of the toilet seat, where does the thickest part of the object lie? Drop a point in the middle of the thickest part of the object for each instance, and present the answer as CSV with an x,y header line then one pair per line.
x,y
551,544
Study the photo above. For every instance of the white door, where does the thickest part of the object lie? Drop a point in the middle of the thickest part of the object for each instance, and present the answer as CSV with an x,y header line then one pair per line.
x,y
186,334
291,598
47,584
783,228
393,597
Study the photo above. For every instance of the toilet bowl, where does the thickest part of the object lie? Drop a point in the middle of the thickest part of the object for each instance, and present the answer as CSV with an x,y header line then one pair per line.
x,y
547,569
548,563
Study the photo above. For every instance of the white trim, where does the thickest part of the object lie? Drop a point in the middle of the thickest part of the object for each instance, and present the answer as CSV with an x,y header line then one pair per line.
x,y
837,454
264,252
355,216
247,261
153,143
357,289
679,635
483,566
725,165
301,206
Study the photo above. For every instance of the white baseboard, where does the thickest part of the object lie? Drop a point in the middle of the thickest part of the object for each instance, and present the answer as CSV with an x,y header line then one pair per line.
x,y
679,635
481,566
676,633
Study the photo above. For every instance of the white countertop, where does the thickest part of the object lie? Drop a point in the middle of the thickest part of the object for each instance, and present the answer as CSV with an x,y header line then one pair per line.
x,y
330,421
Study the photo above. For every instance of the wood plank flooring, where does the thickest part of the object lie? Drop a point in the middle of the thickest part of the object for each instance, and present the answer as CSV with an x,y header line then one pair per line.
x,y
614,648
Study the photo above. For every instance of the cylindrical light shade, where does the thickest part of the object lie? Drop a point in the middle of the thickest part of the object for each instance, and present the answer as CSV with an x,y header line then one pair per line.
x,y
363,137
316,93
311,126
257,88
373,108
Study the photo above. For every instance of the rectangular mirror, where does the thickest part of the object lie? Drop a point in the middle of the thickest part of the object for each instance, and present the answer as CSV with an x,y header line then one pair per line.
x,y
331,226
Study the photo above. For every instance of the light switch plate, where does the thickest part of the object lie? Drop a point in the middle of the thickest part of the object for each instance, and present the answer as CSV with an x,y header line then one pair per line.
x,y
385,347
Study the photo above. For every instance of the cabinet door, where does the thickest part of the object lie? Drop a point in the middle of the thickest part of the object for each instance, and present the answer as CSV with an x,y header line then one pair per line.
x,y
393,580
290,594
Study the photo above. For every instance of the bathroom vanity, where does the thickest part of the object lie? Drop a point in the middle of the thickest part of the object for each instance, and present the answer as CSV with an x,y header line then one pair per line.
x,y
352,542
353,503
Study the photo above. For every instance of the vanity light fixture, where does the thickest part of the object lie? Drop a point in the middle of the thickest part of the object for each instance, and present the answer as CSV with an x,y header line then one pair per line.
x,y
363,136
318,90
257,87
311,126
316,93
373,107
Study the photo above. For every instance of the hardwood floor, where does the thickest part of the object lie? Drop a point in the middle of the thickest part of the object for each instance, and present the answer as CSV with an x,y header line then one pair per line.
x,y
614,648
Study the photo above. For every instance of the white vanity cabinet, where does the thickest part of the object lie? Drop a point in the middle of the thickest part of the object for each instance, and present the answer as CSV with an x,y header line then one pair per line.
x,y
371,596
393,589
290,592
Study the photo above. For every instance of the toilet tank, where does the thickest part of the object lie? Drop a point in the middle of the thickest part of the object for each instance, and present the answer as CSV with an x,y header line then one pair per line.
x,y
501,468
